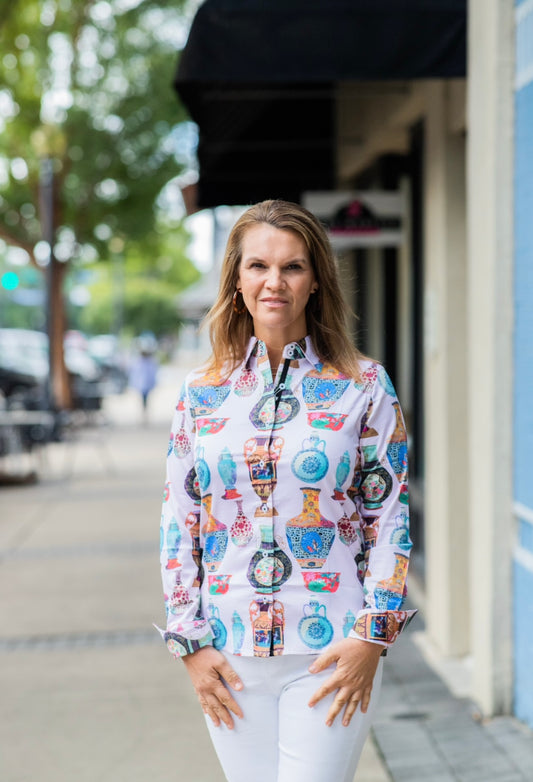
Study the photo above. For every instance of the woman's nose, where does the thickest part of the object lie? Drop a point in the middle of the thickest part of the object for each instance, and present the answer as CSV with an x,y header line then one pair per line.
x,y
274,279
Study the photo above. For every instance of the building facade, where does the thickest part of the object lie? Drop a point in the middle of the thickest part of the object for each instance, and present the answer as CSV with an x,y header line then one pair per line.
x,y
450,312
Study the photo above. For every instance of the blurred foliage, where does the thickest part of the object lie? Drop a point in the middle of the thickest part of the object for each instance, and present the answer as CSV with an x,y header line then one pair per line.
x,y
88,83
130,296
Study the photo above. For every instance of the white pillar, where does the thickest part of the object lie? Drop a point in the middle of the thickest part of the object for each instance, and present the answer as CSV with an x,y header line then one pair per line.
x,y
446,381
490,307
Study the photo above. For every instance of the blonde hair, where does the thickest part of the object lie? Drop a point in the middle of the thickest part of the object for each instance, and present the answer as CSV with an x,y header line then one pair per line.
x,y
326,310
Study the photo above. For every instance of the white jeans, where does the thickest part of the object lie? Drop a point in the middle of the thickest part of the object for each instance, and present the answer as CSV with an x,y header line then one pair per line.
x,y
280,739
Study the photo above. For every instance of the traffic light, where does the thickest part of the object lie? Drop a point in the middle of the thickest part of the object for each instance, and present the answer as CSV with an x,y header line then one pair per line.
x,y
9,281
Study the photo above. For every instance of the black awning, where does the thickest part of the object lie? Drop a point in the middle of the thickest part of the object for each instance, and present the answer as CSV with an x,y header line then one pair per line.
x,y
258,77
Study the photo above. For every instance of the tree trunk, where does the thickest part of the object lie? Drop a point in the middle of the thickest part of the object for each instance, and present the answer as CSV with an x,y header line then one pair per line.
x,y
61,397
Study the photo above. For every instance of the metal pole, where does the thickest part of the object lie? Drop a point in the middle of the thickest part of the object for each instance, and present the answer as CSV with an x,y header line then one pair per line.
x,y
46,198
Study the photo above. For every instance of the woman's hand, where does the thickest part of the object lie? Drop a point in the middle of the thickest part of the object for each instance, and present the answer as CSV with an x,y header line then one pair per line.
x,y
352,678
206,666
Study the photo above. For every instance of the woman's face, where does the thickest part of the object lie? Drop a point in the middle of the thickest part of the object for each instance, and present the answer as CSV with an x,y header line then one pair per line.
x,y
276,279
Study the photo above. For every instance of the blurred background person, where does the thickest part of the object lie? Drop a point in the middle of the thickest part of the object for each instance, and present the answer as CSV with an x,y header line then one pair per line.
x,y
143,372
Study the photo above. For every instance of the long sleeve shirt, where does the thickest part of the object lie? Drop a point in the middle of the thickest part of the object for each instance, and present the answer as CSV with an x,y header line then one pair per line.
x,y
285,516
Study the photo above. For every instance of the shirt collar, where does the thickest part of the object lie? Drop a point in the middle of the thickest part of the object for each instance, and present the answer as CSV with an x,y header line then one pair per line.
x,y
302,349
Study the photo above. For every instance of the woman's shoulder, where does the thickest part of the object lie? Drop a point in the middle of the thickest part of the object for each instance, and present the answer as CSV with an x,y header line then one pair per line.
x,y
373,377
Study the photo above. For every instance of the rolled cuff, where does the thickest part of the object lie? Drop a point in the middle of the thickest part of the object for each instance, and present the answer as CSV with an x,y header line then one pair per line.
x,y
180,645
381,627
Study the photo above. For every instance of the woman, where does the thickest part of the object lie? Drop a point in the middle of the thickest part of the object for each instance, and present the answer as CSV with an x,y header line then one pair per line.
x,y
284,535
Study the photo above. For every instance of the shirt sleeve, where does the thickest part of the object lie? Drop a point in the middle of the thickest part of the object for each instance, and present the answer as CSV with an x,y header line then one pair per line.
x,y
181,556
382,479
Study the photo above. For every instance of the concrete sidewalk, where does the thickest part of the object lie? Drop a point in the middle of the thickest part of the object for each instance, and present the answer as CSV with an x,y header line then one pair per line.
x,y
89,692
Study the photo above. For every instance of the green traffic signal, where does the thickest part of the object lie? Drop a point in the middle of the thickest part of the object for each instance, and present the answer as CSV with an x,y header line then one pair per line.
x,y
9,281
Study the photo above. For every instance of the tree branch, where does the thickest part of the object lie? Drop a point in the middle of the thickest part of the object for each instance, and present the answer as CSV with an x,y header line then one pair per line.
x,y
9,238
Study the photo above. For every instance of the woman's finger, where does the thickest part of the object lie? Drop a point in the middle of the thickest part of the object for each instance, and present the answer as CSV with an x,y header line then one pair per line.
x,y
340,700
330,685
227,701
351,708
229,675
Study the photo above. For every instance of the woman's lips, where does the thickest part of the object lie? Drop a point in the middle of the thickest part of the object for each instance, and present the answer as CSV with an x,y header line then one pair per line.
x,y
274,302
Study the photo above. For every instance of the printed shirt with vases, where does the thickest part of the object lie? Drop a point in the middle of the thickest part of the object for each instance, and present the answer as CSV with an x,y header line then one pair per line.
x,y
285,522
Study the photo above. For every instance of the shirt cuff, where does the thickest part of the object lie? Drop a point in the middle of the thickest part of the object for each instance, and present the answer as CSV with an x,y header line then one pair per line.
x,y
381,627
180,645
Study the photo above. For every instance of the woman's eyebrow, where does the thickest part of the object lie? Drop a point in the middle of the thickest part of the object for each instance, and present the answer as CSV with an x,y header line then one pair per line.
x,y
290,260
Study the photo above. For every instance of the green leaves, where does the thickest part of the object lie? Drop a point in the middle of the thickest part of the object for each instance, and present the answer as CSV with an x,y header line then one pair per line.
x,y
89,84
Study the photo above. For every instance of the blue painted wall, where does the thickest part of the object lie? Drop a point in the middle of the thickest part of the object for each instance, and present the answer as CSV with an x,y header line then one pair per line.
x,y
523,364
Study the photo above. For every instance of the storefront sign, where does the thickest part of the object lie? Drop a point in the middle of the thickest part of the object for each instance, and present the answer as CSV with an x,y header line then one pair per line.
x,y
364,218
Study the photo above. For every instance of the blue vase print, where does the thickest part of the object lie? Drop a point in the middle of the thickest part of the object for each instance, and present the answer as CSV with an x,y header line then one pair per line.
x,y
322,388
311,463
341,473
215,538
238,633
227,469
310,535
173,542
218,627
349,620
202,470
314,628
400,535
208,393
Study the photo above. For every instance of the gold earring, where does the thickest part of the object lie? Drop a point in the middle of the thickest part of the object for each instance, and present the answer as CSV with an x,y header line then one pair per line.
x,y
238,310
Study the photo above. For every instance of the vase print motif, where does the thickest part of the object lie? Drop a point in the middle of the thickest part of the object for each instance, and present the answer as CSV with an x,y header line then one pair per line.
x,y
215,538
314,628
246,383
322,388
264,415
397,453
179,600
208,393
191,485
321,582
262,458
173,542
332,421
341,474
182,444
349,528
237,631
376,482
269,567
311,463
192,522
205,426
400,535
203,473
389,593
310,535
241,531
268,627
349,619
217,626
366,430
227,469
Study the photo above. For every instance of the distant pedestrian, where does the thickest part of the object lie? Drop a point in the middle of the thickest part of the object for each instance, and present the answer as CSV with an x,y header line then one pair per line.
x,y
284,535
143,372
